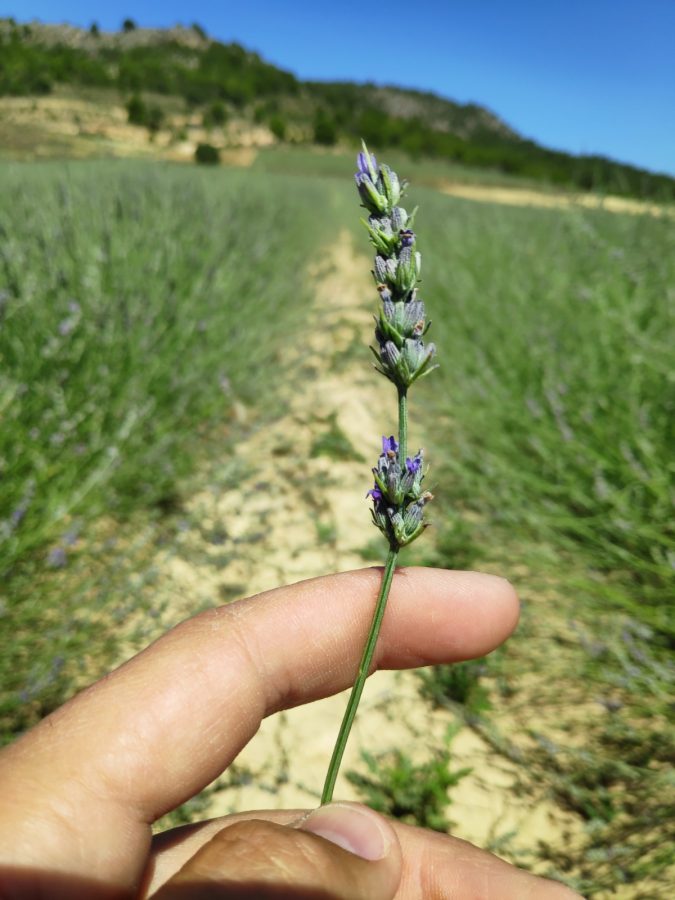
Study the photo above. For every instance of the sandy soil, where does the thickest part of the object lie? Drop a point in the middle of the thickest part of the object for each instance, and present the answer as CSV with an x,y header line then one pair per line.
x,y
34,128
283,533
522,197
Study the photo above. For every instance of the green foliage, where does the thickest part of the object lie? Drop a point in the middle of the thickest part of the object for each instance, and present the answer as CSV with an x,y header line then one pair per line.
x,y
149,115
118,355
94,30
128,25
359,112
154,118
325,131
207,154
455,544
215,115
278,127
414,793
217,72
136,110
557,364
457,683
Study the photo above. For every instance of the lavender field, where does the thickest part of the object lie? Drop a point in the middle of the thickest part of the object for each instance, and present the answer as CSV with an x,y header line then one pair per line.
x,y
153,319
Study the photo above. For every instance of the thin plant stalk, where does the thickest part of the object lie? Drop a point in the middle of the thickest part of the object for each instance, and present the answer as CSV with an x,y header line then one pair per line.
x,y
402,422
364,668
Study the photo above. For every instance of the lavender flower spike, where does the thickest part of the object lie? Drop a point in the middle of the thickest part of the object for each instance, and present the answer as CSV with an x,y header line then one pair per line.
x,y
398,498
402,355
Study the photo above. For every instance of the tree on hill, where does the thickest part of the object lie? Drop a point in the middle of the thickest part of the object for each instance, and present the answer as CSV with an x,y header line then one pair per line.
x,y
325,131
278,127
128,25
206,154
136,110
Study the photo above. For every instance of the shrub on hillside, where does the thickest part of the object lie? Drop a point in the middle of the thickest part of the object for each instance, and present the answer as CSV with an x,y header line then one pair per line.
x,y
207,154
215,115
136,110
278,127
325,131
154,118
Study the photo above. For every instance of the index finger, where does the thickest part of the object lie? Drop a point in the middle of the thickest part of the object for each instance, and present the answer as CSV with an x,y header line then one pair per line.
x,y
168,722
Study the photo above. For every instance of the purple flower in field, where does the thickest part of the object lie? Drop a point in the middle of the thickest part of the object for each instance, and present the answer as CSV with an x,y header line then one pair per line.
x,y
415,464
367,165
57,558
389,445
394,485
402,356
17,516
411,480
71,536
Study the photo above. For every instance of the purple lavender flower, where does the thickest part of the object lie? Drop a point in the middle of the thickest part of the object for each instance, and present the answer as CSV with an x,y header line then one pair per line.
x,y
411,480
415,464
18,514
389,445
367,164
57,558
402,356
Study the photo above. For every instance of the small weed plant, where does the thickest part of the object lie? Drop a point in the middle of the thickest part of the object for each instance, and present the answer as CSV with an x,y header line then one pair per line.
x,y
415,793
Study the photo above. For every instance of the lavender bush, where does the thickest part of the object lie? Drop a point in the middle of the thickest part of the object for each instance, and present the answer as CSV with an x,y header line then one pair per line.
x,y
402,356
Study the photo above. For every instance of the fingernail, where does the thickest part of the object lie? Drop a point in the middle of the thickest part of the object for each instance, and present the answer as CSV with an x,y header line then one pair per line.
x,y
350,827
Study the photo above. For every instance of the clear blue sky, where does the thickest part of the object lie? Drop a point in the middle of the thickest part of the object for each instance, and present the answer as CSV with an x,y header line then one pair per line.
x,y
587,77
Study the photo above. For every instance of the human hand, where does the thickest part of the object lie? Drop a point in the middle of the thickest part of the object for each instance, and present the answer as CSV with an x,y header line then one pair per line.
x,y
81,790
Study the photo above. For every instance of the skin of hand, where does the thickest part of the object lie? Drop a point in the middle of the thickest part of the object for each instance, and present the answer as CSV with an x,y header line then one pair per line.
x,y
82,789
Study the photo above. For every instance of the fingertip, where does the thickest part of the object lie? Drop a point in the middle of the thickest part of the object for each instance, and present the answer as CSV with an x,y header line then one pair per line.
x,y
353,827
454,615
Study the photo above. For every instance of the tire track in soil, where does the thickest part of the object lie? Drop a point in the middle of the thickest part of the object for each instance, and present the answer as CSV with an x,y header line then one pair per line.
x,y
298,516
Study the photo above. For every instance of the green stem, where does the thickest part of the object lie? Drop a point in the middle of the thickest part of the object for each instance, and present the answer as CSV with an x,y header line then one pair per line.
x,y
364,667
402,426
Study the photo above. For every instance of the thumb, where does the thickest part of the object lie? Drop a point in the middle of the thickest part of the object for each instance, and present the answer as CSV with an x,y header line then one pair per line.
x,y
342,851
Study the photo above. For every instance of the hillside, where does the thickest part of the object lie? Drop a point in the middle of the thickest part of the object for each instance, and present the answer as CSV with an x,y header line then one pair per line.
x,y
168,81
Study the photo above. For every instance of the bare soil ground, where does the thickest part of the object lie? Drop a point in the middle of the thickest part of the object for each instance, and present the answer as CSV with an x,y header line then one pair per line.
x,y
61,125
522,197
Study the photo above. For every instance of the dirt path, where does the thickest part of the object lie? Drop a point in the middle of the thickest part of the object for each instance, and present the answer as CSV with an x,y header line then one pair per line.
x,y
296,520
